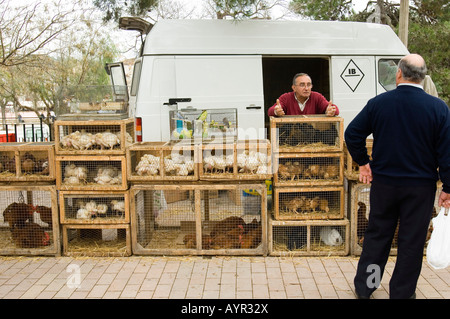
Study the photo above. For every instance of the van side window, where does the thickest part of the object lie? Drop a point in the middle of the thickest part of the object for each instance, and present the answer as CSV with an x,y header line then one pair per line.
x,y
136,77
387,68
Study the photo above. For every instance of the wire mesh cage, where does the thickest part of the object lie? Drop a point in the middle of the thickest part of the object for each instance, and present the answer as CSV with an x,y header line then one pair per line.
x,y
294,203
29,220
91,173
253,159
204,125
93,137
312,237
309,169
150,161
351,169
360,212
92,101
96,240
217,161
307,133
94,207
27,162
197,219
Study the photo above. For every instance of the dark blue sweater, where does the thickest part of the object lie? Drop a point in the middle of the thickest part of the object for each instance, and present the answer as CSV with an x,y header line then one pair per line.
x,y
411,137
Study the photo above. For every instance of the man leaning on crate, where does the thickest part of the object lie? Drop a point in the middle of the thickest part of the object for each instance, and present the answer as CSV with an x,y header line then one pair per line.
x,y
302,100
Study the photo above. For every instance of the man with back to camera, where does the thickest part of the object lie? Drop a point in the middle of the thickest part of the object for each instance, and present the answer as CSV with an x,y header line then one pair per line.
x,y
302,100
411,141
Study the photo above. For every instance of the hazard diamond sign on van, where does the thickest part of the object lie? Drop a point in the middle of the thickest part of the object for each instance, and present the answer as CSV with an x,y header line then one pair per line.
x,y
352,75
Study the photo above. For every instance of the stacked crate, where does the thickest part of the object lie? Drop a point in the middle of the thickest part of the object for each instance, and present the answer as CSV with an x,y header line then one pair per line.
x,y
212,208
28,204
308,187
91,177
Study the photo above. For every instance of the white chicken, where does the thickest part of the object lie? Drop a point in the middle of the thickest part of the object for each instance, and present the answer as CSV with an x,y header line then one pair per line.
x,y
83,140
107,140
108,175
118,207
83,213
148,165
102,209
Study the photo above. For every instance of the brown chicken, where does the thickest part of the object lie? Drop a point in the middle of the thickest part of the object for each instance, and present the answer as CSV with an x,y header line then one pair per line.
x,y
297,205
252,238
323,205
190,241
17,214
31,235
314,203
361,222
226,225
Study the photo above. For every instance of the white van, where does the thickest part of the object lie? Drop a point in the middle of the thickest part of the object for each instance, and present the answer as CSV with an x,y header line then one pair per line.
x,y
247,65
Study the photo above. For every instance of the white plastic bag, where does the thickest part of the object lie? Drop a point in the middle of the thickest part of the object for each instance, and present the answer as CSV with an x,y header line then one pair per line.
x,y
438,249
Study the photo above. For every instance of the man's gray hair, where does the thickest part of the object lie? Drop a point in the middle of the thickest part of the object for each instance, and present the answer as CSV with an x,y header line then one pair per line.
x,y
414,72
297,75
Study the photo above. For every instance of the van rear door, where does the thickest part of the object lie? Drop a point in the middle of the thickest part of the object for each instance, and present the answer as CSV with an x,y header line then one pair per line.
x,y
224,82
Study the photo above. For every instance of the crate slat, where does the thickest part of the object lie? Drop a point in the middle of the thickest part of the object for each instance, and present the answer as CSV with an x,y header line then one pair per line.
x,y
94,207
91,173
160,161
96,240
93,137
351,169
301,203
29,224
27,162
309,238
308,169
186,219
307,133
359,206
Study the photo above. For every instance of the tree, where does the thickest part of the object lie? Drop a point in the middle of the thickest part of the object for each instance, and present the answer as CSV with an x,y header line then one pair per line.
x,y
322,10
77,56
24,33
241,9
114,9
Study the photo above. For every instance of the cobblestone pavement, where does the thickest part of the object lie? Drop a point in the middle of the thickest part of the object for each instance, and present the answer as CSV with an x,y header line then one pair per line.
x,y
147,277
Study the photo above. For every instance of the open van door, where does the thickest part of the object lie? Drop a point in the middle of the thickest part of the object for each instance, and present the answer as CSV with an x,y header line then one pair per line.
x,y
118,81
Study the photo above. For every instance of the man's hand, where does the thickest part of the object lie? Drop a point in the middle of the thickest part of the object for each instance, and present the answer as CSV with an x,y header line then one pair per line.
x,y
365,174
444,200
331,109
278,109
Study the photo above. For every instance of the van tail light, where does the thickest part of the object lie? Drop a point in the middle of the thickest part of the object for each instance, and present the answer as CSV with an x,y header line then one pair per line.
x,y
138,129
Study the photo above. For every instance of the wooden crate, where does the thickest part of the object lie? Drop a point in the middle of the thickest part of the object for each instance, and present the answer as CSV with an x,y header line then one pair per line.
x,y
217,162
309,238
351,169
96,240
253,159
93,137
203,221
308,169
29,224
91,173
359,216
307,133
300,203
161,161
94,207
27,162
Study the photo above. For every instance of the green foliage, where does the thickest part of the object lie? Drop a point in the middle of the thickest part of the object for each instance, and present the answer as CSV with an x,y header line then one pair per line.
x,y
431,41
322,9
114,9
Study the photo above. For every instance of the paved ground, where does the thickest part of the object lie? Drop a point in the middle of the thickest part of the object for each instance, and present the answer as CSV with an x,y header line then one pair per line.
x,y
144,277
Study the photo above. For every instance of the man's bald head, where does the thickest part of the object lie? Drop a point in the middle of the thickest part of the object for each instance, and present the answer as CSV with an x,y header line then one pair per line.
x,y
413,68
